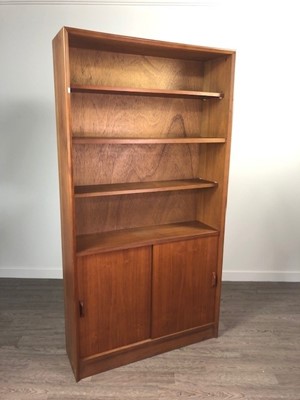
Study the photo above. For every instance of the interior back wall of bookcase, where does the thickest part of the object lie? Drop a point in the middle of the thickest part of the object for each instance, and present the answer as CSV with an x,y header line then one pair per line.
x,y
263,217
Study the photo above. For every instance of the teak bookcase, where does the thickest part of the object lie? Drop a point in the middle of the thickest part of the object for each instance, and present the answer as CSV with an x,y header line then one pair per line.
x,y
144,131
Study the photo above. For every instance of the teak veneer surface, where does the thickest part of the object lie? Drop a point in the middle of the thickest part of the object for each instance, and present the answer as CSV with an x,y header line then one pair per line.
x,y
116,289
144,116
113,213
112,69
182,280
112,164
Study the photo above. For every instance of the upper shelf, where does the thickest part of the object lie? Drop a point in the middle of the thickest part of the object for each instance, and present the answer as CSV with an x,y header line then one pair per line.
x,y
136,140
142,187
75,88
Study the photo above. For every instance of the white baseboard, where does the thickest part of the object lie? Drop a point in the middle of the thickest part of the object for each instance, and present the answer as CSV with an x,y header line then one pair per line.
x,y
261,276
240,276
33,273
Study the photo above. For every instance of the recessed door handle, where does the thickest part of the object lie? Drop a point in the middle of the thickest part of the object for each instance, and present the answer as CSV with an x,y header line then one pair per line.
x,y
214,279
81,309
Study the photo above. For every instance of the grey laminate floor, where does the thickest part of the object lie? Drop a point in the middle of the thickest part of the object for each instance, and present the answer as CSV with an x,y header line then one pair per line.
x,y
257,355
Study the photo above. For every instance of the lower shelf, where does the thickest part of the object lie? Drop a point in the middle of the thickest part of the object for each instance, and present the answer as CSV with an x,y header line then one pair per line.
x,y
129,238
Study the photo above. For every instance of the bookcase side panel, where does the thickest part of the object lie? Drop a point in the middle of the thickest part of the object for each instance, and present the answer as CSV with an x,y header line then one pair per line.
x,y
217,117
62,82
214,160
218,77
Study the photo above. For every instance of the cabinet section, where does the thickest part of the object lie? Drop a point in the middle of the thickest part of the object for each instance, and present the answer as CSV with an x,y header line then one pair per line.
x,y
114,299
184,285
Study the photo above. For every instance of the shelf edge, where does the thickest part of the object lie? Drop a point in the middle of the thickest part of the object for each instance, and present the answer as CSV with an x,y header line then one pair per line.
x,y
129,91
116,140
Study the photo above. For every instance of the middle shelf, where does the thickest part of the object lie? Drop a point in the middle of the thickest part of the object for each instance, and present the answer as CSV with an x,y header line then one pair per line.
x,y
141,187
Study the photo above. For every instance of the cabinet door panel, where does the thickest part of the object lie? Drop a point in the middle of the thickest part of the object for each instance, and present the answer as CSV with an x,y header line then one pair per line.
x,y
114,291
183,285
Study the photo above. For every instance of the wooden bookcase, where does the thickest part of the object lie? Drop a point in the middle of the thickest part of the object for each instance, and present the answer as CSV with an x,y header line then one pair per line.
x,y
143,131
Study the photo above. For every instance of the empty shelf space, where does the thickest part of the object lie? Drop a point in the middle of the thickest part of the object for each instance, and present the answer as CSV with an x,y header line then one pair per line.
x,y
141,187
137,237
135,140
76,88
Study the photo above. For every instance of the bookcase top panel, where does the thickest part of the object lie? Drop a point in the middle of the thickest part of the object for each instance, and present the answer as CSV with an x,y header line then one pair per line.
x,y
126,44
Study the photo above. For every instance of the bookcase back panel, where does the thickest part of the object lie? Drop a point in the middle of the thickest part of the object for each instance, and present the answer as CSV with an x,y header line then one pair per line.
x,y
103,214
135,116
104,164
91,67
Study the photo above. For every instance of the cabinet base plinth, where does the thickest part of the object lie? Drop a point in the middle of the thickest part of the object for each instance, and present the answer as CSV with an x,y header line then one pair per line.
x,y
139,351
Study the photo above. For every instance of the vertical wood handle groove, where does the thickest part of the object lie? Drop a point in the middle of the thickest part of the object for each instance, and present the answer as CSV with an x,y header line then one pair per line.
x,y
81,309
214,279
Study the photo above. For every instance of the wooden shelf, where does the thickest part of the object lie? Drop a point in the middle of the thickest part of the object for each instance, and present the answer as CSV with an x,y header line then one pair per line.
x,y
76,88
141,187
168,140
129,238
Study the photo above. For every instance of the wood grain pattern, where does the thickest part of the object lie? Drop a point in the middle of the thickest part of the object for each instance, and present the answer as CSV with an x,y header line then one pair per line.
x,y
104,214
183,292
115,291
111,164
131,116
117,69
256,355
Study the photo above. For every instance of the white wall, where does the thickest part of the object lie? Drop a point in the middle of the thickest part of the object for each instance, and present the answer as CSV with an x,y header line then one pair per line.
x,y
263,215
